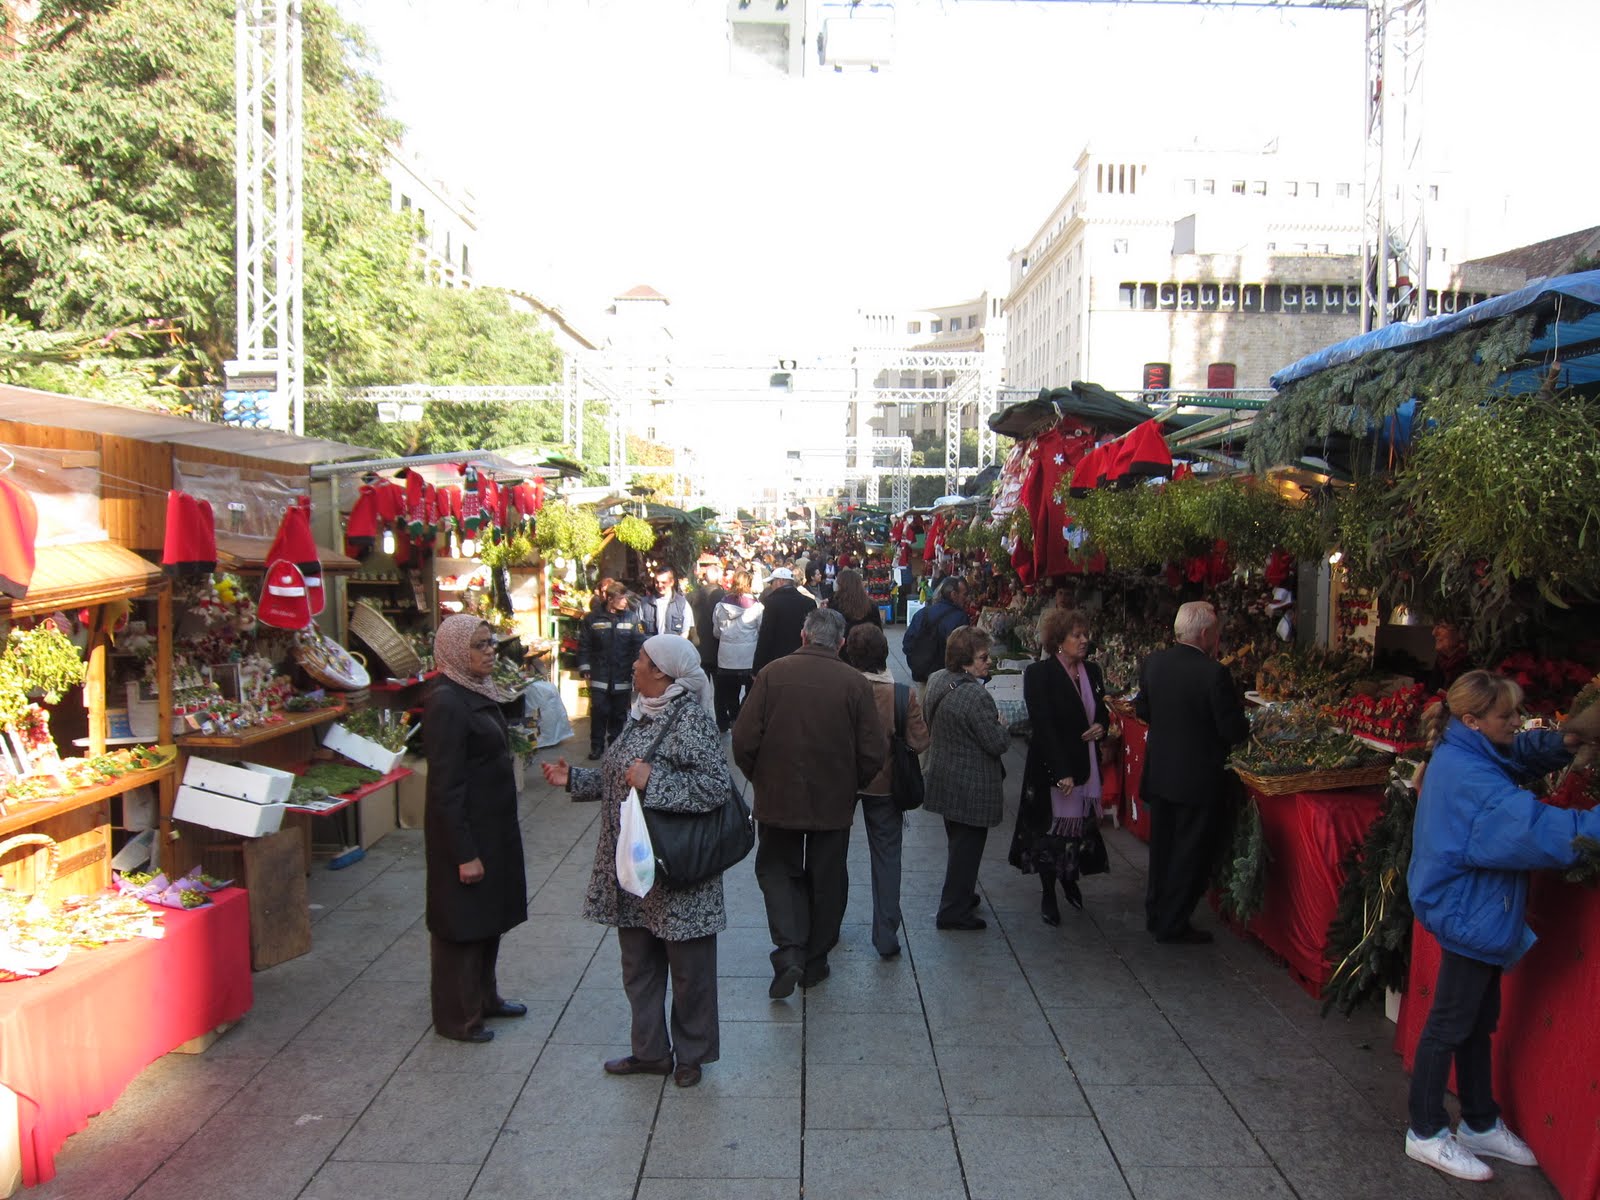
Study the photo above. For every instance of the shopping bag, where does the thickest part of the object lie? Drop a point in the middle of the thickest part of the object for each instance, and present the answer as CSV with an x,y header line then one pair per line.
x,y
636,857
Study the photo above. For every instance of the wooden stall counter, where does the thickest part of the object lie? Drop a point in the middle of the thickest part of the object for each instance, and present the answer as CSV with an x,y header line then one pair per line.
x,y
71,1040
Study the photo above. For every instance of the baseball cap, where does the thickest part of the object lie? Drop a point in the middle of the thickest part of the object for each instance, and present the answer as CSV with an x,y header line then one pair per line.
x,y
782,573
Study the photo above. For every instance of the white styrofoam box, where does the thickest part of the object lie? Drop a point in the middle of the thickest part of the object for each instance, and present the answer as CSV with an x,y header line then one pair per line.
x,y
913,607
1006,687
246,781
370,754
135,854
140,808
200,807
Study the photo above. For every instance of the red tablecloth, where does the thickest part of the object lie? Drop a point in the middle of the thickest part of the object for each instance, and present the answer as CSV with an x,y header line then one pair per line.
x,y
1307,836
70,1041
1547,1049
1135,813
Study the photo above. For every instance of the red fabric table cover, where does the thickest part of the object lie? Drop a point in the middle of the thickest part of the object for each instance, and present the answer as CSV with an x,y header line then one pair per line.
x,y
1135,813
1547,1048
1307,836
70,1041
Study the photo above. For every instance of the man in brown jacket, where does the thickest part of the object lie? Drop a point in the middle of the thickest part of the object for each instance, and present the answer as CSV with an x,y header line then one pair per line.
x,y
809,738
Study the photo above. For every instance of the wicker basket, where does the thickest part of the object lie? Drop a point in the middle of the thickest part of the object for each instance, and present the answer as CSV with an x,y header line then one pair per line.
x,y
20,960
331,665
375,629
1314,781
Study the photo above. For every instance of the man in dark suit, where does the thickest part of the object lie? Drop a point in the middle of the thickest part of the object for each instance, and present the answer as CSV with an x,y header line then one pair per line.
x,y
1188,700
784,611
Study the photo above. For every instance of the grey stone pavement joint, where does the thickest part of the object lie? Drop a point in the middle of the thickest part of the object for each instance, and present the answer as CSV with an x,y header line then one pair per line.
x,y
1017,1062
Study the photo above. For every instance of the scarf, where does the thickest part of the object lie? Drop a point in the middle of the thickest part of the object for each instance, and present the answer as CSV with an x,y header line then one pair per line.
x,y
452,652
1070,811
679,660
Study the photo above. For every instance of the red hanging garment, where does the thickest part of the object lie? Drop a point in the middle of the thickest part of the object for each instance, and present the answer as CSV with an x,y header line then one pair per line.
x,y
295,544
19,526
190,544
284,603
361,527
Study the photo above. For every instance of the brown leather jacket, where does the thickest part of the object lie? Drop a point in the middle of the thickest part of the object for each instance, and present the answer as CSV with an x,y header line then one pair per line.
x,y
916,728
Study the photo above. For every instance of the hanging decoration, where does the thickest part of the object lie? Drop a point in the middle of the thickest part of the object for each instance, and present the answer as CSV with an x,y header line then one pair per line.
x,y
190,544
295,544
284,603
19,525
471,501
361,528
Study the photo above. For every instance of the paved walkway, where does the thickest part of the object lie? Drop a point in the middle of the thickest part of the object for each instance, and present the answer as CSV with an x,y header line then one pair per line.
x,y
1018,1062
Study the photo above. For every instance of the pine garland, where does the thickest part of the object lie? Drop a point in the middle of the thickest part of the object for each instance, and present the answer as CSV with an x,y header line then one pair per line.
x,y
1240,875
1587,869
1369,938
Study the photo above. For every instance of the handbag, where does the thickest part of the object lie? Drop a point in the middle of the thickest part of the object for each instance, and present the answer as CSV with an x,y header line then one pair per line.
x,y
692,847
905,774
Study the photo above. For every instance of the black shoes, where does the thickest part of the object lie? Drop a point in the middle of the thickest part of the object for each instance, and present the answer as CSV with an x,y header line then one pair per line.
x,y
783,982
963,923
1050,911
508,1008
643,1066
1069,888
1187,936
475,1036
815,973
594,754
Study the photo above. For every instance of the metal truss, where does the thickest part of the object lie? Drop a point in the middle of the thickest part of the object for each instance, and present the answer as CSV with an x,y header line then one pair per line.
x,y
866,473
1395,29
268,115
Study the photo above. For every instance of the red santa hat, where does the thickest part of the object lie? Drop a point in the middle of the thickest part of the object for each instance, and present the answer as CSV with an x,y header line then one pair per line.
x,y
284,602
190,544
1086,475
295,544
361,527
19,525
1145,452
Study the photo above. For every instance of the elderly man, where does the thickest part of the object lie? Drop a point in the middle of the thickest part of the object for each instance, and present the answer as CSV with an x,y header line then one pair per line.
x,y
809,738
1189,701
784,611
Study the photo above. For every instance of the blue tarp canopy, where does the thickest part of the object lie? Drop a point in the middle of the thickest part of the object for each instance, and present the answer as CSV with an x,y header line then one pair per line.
x,y
1572,338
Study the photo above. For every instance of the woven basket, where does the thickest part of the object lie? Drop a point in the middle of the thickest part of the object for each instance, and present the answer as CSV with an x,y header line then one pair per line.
x,y
331,665
1314,781
375,629
24,961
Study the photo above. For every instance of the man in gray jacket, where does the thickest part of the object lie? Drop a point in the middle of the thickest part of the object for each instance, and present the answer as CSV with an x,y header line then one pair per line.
x,y
809,738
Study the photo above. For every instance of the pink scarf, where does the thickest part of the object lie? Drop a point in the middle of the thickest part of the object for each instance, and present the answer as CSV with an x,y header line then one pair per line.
x,y
1070,810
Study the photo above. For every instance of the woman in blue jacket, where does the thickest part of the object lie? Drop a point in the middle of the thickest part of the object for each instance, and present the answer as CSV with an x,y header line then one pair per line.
x,y
1477,835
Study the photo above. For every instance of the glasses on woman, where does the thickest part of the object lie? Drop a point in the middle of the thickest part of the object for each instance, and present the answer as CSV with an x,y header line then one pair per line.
x,y
480,644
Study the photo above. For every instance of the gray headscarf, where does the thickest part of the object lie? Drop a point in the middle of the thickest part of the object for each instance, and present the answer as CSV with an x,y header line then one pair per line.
x,y
679,660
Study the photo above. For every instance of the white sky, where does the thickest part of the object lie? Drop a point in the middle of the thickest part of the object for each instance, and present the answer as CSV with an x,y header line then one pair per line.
x,y
607,145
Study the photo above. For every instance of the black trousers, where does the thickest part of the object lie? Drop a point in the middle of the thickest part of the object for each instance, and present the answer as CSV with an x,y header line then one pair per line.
x,y
691,1031
1183,844
806,885
608,713
1466,1009
462,983
730,688
966,844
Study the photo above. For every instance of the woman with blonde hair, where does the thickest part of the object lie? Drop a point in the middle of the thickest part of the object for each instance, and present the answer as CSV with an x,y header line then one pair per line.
x,y
1478,833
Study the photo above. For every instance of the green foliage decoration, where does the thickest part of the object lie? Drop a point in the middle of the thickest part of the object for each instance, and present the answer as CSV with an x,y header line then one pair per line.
x,y
1240,875
567,531
506,551
41,659
635,533
1369,938
1150,525
1587,869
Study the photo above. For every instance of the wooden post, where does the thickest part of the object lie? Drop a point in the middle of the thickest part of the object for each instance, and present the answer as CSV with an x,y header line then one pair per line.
x,y
94,681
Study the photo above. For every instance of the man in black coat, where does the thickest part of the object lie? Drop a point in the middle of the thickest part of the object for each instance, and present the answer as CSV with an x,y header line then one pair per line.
x,y
937,622
783,613
608,642
1188,700
703,601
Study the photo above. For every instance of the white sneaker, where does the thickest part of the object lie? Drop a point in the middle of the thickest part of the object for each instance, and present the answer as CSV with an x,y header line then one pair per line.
x,y
1443,1153
1498,1142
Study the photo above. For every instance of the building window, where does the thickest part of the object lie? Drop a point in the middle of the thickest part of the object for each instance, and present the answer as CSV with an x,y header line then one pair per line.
x,y
405,201
1157,376
1292,188
1272,298
914,327
1189,187
466,266
1433,191
1119,245
1127,295
1147,295
1237,187
1208,187
1220,377
972,320
1341,191
1272,247
1258,187
1314,190
936,326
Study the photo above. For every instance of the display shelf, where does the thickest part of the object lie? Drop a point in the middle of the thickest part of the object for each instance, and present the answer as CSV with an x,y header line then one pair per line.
x,y
24,814
261,733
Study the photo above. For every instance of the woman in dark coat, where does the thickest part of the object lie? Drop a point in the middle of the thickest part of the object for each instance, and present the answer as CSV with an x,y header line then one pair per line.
x,y
476,886
963,780
668,931
1060,803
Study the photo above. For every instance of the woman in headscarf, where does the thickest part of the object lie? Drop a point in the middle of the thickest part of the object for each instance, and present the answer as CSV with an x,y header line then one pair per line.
x,y
476,886
668,931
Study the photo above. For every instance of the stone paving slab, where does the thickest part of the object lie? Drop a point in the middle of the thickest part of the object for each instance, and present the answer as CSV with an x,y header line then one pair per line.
x,y
1018,1061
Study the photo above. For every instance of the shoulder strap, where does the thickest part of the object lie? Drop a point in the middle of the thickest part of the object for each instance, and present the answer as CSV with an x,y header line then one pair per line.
x,y
902,702
666,727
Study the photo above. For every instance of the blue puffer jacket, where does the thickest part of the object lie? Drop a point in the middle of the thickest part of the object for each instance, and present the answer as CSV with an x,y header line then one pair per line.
x,y
1478,833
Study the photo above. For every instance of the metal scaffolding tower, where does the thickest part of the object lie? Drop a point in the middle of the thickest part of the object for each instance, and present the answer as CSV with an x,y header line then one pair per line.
x,y
268,115
1394,255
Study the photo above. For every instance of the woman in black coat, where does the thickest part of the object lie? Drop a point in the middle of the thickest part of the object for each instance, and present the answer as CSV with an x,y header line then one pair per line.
x,y
1059,810
477,889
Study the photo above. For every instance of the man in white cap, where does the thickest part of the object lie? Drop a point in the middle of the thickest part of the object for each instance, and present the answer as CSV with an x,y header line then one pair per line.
x,y
784,613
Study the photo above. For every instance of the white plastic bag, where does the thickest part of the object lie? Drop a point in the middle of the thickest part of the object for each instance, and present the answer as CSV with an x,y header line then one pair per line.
x,y
636,857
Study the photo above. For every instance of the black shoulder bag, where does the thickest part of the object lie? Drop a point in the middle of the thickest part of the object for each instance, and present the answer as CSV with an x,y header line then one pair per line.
x,y
905,775
692,847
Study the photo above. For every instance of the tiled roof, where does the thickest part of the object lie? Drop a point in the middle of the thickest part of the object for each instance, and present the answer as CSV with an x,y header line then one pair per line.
x,y
1544,259
643,292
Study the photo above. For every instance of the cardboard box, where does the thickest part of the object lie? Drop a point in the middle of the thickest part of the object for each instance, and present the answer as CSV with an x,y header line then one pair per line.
x,y
376,815
215,811
244,781
413,793
361,750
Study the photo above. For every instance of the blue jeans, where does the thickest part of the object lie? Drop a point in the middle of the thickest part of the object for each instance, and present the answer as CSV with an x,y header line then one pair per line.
x,y
1466,1009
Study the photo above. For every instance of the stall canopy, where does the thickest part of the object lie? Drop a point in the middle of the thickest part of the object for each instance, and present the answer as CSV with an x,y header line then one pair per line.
x,y
29,407
82,574
1569,335
1088,402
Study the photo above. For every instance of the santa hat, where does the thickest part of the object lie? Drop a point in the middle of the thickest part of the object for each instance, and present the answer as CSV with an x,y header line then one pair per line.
x,y
361,528
190,545
1086,475
295,544
284,602
19,524
1146,452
